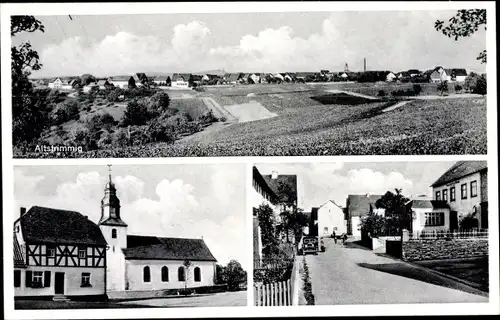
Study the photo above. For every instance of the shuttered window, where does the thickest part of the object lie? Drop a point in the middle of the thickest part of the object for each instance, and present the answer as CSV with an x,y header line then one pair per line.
x,y
46,279
17,278
28,279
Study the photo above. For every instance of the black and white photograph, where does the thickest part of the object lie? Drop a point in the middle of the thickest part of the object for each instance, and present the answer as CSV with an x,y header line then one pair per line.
x,y
129,236
249,84
249,159
370,233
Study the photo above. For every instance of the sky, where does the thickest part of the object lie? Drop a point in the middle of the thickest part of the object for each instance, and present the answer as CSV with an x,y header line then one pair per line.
x,y
319,182
187,201
106,45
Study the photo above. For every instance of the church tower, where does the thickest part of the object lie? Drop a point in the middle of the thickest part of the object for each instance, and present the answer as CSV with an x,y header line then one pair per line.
x,y
114,230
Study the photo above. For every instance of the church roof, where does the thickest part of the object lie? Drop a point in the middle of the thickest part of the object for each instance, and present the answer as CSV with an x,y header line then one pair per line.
x,y
159,248
49,225
110,221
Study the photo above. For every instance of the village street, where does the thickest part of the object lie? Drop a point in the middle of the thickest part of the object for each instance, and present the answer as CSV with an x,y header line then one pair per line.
x,y
352,274
224,299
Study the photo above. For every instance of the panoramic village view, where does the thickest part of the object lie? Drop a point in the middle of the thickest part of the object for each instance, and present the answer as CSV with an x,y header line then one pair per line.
x,y
129,237
370,233
320,83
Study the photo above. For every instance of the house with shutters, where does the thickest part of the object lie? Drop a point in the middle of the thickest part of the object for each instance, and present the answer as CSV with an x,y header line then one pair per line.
x,y
64,255
59,254
464,188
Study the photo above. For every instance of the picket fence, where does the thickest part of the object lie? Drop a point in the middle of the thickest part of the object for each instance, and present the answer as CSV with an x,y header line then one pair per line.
x,y
273,294
462,234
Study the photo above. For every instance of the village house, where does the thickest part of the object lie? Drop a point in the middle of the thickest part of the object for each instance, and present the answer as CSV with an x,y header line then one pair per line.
x,y
358,206
390,77
58,254
262,194
464,187
90,87
209,78
59,84
428,215
331,217
149,262
123,82
233,78
103,84
181,80
254,78
141,79
164,80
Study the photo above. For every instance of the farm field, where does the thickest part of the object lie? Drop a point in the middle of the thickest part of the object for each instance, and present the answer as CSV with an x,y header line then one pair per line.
x,y
304,119
421,127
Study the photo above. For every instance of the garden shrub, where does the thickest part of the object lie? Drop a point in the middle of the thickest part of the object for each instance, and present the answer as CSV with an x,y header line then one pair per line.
x,y
307,285
381,93
458,87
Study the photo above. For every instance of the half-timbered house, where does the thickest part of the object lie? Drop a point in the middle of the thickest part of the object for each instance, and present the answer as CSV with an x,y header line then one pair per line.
x,y
58,254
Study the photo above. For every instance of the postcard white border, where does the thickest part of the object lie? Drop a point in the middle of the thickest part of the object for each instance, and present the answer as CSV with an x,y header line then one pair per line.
x,y
340,310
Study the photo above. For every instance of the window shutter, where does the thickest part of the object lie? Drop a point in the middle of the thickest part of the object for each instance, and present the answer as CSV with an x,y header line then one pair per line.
x,y
29,276
46,279
17,278
442,218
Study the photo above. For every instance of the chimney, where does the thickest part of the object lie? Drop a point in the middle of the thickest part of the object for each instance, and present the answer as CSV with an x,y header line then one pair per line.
x,y
274,175
23,211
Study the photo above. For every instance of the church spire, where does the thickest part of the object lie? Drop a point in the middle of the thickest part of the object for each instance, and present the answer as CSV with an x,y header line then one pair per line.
x,y
110,204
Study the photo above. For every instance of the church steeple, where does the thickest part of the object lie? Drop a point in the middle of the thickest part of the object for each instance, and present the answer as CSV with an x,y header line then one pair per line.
x,y
110,205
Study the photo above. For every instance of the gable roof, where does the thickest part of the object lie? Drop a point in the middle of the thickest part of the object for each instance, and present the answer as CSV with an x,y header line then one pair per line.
x,y
459,72
163,78
120,78
460,170
361,204
18,256
102,82
427,204
49,225
234,76
274,184
185,76
263,184
158,248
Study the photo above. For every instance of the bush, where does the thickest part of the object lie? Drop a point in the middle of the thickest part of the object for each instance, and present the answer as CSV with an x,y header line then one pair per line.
x,y
114,95
481,85
135,114
307,287
417,89
381,93
207,118
158,130
120,137
443,87
65,111
186,292
458,88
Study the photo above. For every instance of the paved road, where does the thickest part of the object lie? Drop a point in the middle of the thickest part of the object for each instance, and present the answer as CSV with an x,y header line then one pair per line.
x,y
355,275
225,299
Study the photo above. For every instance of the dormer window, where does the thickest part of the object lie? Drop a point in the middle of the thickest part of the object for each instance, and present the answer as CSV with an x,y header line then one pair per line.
x,y
51,251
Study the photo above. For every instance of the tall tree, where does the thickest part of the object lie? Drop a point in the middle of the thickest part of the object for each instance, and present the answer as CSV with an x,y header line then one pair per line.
x,y
187,266
396,214
235,275
464,24
28,114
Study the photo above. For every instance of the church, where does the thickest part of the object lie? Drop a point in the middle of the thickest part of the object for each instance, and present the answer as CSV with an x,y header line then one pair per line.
x,y
89,259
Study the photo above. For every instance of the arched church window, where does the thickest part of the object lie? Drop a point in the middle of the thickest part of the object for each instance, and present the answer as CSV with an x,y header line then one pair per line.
x,y
113,233
146,274
164,274
197,274
180,274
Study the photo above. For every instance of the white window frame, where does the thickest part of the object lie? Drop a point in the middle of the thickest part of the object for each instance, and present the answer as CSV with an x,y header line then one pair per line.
x,y
51,251
80,251
473,194
37,277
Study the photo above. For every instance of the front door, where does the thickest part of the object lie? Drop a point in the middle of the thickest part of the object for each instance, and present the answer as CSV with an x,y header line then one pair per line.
x,y
453,221
59,283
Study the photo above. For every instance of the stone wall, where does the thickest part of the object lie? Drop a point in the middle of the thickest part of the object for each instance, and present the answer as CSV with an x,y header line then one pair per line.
x,y
415,250
393,248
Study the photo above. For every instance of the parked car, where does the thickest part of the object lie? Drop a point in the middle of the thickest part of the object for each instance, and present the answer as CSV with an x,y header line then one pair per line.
x,y
307,245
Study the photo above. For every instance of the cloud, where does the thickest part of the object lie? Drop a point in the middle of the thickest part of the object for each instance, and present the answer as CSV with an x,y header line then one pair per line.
x,y
389,40
173,210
